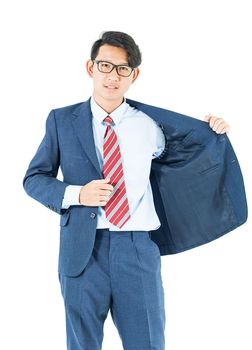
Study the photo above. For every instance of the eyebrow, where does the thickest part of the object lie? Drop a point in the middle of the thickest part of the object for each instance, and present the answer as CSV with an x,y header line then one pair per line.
x,y
120,64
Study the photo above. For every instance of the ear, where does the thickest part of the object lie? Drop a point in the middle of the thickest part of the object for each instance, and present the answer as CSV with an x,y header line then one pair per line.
x,y
135,74
89,68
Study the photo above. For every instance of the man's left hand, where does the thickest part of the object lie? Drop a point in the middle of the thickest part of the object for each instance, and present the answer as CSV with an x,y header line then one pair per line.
x,y
217,124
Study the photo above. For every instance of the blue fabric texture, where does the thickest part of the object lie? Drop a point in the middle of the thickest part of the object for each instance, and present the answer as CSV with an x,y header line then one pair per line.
x,y
123,276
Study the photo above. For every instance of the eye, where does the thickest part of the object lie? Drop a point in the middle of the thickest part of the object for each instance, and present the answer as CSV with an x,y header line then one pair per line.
x,y
124,69
105,65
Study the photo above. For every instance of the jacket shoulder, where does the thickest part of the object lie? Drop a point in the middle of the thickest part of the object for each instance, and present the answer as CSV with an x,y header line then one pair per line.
x,y
164,112
66,113
67,109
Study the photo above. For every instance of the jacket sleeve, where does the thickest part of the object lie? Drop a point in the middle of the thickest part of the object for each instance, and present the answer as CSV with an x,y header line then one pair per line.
x,y
40,181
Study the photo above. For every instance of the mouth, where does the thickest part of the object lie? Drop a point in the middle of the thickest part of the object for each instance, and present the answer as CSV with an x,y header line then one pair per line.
x,y
111,87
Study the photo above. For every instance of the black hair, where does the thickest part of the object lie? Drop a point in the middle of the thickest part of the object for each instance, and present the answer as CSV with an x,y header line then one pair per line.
x,y
119,39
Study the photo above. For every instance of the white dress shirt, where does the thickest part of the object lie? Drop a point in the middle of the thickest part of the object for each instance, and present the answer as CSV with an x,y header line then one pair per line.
x,y
140,140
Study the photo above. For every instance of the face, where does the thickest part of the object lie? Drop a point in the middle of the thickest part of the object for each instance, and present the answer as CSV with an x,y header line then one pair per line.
x,y
109,88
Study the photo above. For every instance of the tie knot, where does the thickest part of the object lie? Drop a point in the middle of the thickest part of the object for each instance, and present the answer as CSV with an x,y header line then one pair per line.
x,y
108,120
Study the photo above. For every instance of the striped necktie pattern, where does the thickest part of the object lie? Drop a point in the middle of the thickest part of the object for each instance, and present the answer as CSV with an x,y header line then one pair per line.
x,y
117,207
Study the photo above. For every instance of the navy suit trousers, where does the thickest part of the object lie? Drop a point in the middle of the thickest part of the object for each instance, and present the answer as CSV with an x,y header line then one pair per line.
x,y
123,275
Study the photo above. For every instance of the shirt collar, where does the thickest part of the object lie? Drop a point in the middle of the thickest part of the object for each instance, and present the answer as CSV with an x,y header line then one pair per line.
x,y
99,114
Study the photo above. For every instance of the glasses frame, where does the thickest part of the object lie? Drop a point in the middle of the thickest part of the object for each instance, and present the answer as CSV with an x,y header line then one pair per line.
x,y
116,66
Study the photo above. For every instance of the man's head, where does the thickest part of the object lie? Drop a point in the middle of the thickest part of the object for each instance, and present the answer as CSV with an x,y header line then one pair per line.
x,y
111,82
122,40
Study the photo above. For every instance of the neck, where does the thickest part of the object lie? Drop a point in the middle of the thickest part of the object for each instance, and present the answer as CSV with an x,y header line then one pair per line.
x,y
108,106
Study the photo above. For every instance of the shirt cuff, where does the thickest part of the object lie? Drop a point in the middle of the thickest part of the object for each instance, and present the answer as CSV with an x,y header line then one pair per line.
x,y
71,196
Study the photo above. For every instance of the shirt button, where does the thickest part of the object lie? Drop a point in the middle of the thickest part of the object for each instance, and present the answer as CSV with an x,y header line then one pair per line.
x,y
92,215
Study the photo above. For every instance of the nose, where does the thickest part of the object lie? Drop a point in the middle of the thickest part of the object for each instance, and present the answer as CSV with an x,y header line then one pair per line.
x,y
113,76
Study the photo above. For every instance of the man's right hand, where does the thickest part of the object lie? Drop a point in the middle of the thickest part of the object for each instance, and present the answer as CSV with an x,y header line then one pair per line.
x,y
96,193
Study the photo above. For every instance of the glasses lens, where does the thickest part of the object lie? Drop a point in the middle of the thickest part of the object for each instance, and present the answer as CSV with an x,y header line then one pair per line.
x,y
125,71
105,67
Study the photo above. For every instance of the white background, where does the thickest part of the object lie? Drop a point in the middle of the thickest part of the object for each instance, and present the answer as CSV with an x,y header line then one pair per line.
x,y
196,59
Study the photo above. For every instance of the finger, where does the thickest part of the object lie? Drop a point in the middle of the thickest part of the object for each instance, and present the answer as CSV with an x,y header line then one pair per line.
x,y
224,129
103,180
207,117
107,187
103,198
227,129
105,192
211,121
215,122
219,127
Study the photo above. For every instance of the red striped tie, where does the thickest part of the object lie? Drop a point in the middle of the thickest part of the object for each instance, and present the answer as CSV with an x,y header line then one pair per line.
x,y
117,207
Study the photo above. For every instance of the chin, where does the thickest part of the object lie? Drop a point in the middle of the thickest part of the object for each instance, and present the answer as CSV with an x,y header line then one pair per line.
x,y
112,97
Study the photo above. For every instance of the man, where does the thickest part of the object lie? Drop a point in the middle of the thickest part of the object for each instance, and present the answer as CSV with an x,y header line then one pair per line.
x,y
139,182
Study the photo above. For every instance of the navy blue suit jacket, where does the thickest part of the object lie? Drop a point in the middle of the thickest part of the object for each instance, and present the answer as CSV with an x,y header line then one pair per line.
x,y
197,183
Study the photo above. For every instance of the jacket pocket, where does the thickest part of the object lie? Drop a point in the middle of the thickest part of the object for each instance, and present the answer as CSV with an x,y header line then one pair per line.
x,y
211,169
64,218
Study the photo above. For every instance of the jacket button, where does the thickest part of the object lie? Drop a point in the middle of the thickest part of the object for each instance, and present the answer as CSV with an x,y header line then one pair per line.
x,y
92,215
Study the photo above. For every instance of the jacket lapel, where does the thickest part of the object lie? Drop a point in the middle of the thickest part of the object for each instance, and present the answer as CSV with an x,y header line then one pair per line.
x,y
82,123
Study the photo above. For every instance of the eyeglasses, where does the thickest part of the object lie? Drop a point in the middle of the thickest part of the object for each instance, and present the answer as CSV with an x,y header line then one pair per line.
x,y
106,67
